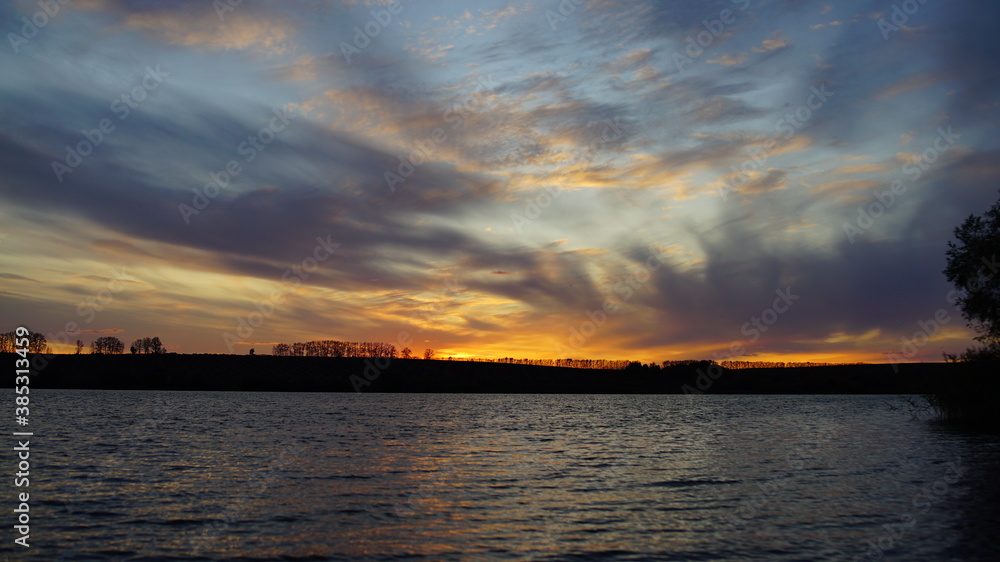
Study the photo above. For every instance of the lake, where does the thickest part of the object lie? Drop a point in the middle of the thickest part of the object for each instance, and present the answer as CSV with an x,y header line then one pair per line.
x,y
151,475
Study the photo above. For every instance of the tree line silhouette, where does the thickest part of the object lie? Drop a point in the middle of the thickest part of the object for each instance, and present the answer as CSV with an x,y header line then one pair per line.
x,y
606,364
625,364
147,345
110,345
335,348
104,345
730,364
107,345
36,342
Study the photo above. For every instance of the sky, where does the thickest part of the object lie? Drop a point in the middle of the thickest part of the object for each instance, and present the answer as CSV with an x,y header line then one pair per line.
x,y
725,179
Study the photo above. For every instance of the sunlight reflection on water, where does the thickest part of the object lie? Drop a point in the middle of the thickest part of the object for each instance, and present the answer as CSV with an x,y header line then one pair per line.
x,y
122,474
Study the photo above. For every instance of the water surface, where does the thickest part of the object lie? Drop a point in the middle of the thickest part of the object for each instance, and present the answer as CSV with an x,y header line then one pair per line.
x,y
258,476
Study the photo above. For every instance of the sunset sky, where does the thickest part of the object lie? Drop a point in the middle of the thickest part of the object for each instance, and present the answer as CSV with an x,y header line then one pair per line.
x,y
586,179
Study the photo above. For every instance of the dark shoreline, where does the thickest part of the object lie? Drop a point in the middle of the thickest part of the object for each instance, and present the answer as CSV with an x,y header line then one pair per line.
x,y
350,374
